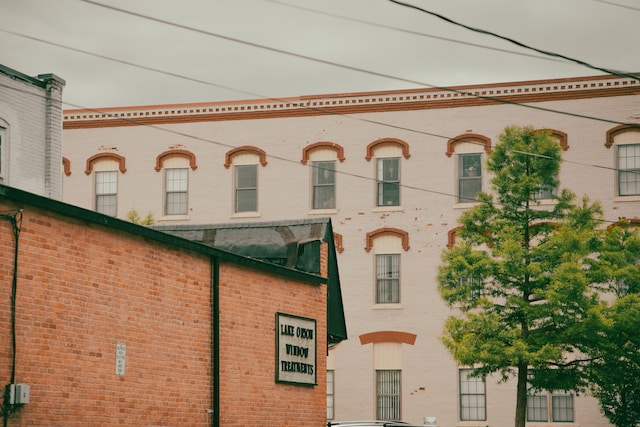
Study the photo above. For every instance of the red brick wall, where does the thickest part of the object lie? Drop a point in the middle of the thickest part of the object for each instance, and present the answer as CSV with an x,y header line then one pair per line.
x,y
250,396
83,288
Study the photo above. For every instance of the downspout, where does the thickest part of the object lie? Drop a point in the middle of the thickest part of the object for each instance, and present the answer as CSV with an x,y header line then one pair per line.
x,y
215,339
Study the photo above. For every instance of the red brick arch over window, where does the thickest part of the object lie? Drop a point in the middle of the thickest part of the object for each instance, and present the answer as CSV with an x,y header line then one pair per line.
x,y
66,165
176,153
386,231
245,149
105,156
451,236
625,222
560,136
388,336
306,151
469,137
387,141
611,133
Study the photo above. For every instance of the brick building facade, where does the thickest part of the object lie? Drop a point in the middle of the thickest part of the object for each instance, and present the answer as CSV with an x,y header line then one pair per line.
x,y
31,132
394,170
119,324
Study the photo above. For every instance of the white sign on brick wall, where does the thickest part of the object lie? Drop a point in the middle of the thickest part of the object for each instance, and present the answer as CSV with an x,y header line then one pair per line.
x,y
295,349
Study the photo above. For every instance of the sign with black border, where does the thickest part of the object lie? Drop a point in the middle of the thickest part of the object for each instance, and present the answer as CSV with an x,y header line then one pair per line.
x,y
295,349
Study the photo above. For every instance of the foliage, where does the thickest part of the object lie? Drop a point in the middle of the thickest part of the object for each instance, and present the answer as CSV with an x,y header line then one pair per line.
x,y
133,216
615,371
518,275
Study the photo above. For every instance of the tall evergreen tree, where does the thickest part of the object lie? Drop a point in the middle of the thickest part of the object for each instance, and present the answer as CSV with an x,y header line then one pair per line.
x,y
516,277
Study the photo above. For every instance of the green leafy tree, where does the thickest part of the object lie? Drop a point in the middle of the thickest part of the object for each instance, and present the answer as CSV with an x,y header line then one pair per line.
x,y
614,372
516,277
613,341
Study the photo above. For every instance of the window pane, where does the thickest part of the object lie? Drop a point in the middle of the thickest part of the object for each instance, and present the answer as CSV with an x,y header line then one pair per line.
x,y
388,177
324,185
472,397
106,192
629,170
537,408
562,407
469,177
330,394
387,279
246,188
388,394
176,191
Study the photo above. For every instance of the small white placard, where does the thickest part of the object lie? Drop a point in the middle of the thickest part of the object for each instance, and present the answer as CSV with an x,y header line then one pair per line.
x,y
121,354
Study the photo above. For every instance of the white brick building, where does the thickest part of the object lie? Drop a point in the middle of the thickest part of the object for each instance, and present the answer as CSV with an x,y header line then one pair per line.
x,y
31,132
392,170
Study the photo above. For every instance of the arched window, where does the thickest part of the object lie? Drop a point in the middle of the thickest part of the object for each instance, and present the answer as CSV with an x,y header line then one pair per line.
x,y
626,143
105,168
387,153
469,150
387,244
175,164
323,157
245,162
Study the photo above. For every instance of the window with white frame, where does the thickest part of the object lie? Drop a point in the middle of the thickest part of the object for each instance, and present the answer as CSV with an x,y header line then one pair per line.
x,y
473,405
106,192
246,188
388,181
469,177
628,169
330,394
387,362
176,191
324,184
387,278
557,407
388,394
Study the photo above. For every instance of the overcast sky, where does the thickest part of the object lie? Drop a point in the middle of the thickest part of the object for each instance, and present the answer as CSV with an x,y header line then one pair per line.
x,y
221,50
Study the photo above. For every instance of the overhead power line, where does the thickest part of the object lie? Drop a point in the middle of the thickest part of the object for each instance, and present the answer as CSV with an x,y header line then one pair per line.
x,y
637,9
515,42
414,33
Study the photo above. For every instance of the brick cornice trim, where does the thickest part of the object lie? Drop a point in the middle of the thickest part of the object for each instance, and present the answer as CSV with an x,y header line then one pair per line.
x,y
388,336
245,149
306,151
384,231
387,141
170,153
105,156
468,137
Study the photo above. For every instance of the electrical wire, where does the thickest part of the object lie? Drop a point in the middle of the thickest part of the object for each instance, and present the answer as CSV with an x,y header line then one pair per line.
x,y
515,42
618,5
415,33
448,89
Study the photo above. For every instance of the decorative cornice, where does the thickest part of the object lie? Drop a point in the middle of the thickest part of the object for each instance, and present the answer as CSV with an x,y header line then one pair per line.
x,y
176,152
403,235
106,156
384,101
388,336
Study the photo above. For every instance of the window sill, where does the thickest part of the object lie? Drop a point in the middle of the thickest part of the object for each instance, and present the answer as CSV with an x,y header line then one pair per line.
x,y
465,205
552,424
626,198
246,215
387,209
174,218
323,211
390,306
